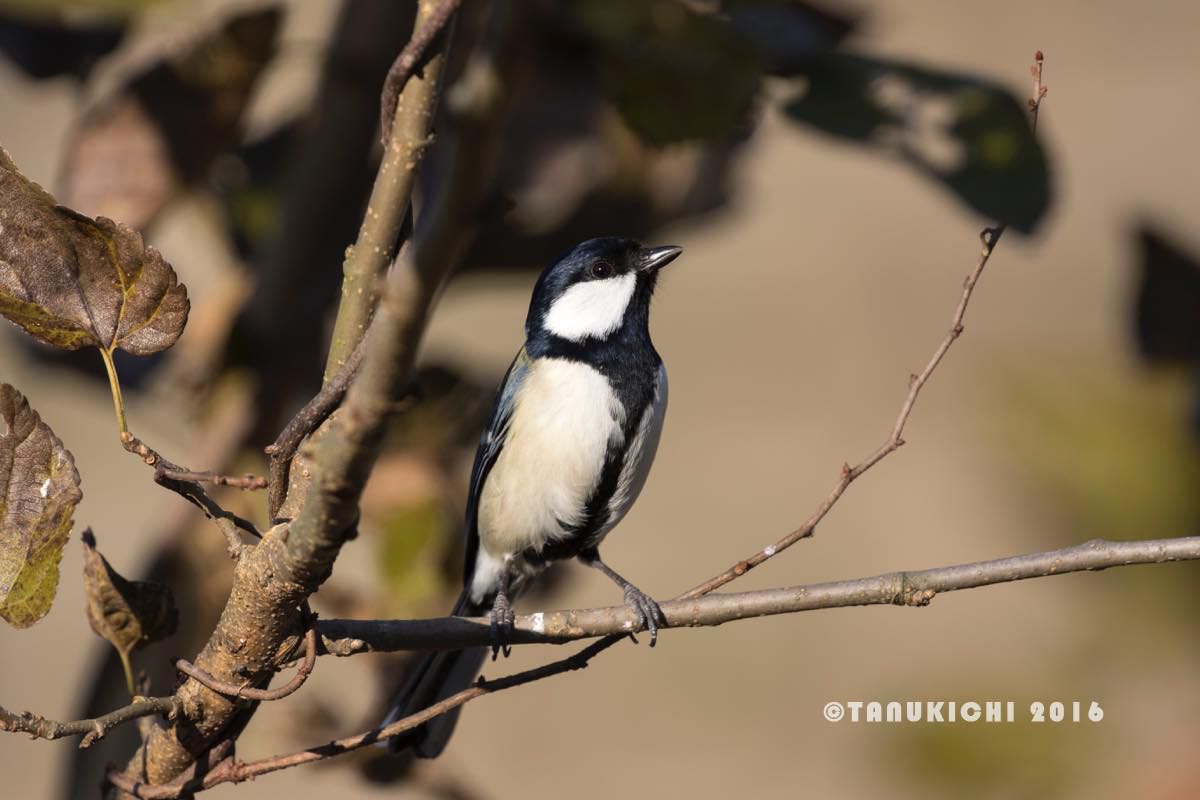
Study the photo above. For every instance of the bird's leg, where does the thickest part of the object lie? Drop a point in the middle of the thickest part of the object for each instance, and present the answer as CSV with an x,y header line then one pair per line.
x,y
501,615
648,614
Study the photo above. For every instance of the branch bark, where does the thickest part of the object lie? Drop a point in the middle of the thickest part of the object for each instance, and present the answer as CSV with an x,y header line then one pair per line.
x,y
260,625
903,588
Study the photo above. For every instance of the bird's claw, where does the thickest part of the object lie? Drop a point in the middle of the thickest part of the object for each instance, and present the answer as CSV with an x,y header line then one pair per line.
x,y
647,612
502,620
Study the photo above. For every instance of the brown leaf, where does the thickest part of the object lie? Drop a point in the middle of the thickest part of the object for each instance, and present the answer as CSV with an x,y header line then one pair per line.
x,y
74,282
127,614
39,489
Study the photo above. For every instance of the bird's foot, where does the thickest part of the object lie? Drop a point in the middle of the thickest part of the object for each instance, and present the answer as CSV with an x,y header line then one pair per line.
x,y
502,620
647,612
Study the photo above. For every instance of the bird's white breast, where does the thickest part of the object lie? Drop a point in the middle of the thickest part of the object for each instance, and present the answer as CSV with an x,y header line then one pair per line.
x,y
565,414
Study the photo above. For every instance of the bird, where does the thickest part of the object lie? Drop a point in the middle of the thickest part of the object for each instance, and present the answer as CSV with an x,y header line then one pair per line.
x,y
572,435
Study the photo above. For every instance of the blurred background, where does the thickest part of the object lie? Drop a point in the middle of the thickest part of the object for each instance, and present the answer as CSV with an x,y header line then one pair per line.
x,y
827,170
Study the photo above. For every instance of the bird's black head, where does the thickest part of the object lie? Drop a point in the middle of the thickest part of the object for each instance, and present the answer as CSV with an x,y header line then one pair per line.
x,y
600,288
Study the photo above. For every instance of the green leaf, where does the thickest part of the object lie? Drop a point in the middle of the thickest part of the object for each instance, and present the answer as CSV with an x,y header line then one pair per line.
x,y
673,75
39,489
127,614
74,282
970,135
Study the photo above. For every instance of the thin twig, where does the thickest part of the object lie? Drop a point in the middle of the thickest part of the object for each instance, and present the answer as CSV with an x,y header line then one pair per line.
x,y
166,474
90,729
233,771
246,691
248,482
988,237
307,420
905,588
172,470
406,63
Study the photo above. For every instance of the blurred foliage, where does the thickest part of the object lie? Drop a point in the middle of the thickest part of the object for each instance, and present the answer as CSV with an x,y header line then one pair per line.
x,y
1107,454
75,9
409,539
1167,306
992,760
1167,303
672,74
968,133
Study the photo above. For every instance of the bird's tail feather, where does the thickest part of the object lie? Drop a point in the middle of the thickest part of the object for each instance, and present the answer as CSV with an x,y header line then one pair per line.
x,y
438,676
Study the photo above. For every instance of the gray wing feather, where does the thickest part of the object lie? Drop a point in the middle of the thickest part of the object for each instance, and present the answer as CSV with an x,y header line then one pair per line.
x,y
490,445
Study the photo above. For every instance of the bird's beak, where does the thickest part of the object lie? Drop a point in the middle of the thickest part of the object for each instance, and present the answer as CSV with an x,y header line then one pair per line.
x,y
655,258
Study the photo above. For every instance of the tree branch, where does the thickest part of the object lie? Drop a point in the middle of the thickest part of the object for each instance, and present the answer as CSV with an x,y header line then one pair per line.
x,y
90,729
247,692
904,588
910,588
257,631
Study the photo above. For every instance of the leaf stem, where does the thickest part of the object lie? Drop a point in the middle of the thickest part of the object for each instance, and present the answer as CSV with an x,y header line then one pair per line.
x,y
114,383
127,666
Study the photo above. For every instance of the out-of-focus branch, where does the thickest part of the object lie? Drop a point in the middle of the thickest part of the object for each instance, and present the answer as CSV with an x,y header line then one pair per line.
x,y
90,729
905,588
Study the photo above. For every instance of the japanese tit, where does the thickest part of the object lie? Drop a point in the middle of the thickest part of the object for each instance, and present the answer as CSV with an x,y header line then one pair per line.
x,y
572,435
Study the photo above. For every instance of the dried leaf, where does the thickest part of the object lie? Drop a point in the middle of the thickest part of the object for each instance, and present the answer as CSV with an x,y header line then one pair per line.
x,y
74,282
127,614
39,489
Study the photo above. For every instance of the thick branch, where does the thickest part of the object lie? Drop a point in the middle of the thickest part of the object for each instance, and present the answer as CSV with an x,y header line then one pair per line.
x,y
905,588
90,729
258,629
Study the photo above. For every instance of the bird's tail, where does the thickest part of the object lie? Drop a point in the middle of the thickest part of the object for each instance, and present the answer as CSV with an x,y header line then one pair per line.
x,y
438,676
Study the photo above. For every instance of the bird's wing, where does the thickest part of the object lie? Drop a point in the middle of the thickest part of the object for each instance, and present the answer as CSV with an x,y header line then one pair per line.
x,y
490,445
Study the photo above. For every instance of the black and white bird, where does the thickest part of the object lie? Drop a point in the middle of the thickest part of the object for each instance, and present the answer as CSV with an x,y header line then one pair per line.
x,y
573,432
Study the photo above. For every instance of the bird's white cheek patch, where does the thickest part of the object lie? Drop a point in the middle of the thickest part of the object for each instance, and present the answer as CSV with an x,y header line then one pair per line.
x,y
592,308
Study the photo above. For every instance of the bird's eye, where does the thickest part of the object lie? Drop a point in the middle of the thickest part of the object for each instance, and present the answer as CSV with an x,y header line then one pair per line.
x,y
601,270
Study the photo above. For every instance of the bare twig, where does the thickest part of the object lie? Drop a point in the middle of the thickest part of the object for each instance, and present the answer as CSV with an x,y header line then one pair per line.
x,y
247,481
232,771
988,237
167,475
1039,89
172,470
905,588
307,420
248,692
90,729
